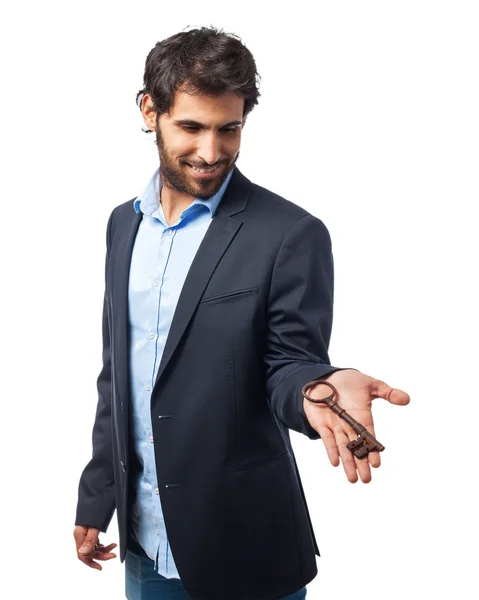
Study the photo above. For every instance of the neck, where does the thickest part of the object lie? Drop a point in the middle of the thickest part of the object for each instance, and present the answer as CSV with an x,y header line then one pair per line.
x,y
173,202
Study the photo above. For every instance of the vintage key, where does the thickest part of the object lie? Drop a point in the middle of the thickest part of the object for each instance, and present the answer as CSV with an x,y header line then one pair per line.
x,y
365,442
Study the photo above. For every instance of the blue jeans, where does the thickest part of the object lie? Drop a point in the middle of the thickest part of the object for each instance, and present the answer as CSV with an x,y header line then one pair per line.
x,y
142,582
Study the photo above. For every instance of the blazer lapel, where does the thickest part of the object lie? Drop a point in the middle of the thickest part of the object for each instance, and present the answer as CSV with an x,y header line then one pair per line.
x,y
218,237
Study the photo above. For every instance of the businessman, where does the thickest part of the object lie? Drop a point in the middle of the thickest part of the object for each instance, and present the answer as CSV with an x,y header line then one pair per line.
x,y
218,309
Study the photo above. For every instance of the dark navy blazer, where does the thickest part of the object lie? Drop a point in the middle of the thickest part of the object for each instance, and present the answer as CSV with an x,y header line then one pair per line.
x,y
251,327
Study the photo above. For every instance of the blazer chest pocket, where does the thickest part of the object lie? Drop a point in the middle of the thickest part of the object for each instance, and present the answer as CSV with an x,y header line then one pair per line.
x,y
257,461
234,295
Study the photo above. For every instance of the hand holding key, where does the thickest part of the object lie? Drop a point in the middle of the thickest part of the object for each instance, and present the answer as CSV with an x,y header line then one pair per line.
x,y
344,420
365,442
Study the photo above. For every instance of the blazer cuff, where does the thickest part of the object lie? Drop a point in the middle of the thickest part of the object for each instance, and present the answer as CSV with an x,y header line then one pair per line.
x,y
90,514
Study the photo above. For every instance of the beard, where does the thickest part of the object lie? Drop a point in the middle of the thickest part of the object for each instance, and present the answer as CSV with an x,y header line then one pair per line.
x,y
176,176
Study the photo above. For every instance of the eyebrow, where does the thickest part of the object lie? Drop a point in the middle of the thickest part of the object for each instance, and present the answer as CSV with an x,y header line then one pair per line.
x,y
202,126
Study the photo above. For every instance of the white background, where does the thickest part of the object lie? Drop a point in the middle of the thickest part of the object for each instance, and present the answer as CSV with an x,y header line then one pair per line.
x,y
368,119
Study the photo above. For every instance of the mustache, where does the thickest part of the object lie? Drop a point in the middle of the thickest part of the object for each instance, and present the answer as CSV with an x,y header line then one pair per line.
x,y
205,165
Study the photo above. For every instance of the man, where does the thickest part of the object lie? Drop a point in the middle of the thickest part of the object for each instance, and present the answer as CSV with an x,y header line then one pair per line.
x,y
217,311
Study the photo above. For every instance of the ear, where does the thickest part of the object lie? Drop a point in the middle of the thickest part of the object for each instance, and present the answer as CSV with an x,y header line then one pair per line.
x,y
149,112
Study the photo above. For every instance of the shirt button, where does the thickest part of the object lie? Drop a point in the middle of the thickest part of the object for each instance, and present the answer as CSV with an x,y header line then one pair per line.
x,y
157,491
150,439
152,336
157,532
169,232
157,282
148,387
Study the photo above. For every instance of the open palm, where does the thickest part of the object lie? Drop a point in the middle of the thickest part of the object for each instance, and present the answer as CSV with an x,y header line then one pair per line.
x,y
356,391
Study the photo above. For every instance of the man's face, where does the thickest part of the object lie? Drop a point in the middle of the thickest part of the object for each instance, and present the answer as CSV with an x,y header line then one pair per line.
x,y
198,141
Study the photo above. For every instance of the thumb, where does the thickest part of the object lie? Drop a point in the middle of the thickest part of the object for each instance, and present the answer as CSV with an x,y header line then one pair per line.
x,y
380,389
90,541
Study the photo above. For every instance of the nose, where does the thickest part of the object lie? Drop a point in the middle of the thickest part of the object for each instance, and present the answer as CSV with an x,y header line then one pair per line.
x,y
208,148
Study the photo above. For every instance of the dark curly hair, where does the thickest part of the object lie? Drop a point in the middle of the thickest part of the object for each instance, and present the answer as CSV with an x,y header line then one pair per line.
x,y
200,61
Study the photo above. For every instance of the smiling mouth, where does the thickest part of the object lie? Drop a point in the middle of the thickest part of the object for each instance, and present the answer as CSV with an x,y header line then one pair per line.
x,y
203,169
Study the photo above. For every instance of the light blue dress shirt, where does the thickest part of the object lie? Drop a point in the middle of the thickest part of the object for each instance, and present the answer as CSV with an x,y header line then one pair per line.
x,y
162,255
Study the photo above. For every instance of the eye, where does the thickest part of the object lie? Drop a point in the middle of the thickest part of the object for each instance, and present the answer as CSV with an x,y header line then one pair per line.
x,y
190,127
230,130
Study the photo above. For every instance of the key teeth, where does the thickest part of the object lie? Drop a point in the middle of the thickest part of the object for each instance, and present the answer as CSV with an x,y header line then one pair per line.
x,y
355,444
360,451
361,448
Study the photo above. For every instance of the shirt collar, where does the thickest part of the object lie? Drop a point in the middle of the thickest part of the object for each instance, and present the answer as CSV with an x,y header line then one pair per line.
x,y
148,201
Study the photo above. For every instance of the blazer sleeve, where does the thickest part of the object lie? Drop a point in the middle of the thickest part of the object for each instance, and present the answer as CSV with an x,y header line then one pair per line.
x,y
96,494
299,322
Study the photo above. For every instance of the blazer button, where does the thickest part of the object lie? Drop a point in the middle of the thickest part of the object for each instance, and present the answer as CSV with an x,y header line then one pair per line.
x,y
123,466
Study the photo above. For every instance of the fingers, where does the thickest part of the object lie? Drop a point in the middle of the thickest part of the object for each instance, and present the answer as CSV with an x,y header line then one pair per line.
x,y
88,560
100,556
361,464
103,552
106,548
336,443
89,547
331,446
380,389
89,542
347,458
373,458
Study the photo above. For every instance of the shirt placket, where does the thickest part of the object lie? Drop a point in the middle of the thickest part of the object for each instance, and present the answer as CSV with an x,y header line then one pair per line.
x,y
162,285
